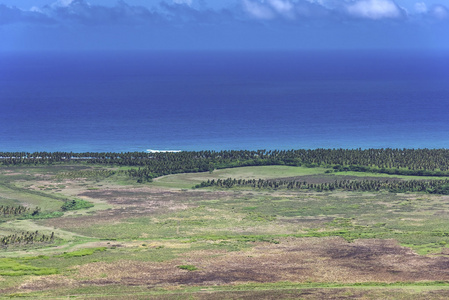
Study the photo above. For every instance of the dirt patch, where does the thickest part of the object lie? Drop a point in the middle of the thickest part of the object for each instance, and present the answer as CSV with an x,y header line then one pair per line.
x,y
315,293
10,173
319,293
294,259
47,282
137,195
136,202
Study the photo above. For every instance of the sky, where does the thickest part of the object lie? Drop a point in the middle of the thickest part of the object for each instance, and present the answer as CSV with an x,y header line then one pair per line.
x,y
77,25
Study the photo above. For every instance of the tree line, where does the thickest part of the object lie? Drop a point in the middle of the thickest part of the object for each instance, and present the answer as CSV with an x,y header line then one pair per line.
x,y
433,162
397,186
6,210
26,238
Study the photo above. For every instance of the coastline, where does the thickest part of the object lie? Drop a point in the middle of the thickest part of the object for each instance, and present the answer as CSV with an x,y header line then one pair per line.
x,y
162,151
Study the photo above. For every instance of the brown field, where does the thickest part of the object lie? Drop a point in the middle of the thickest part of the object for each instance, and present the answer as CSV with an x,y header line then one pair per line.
x,y
297,260
340,293
278,265
136,202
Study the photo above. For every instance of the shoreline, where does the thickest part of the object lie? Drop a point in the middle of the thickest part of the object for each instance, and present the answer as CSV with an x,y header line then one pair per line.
x,y
163,151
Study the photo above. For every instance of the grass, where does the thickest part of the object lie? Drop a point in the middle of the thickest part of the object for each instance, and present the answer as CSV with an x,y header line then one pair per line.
x,y
278,290
64,239
82,252
76,204
165,224
411,219
13,195
263,172
19,267
349,215
266,172
188,267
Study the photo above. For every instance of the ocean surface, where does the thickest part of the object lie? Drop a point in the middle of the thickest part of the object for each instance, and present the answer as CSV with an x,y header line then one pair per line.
x,y
137,101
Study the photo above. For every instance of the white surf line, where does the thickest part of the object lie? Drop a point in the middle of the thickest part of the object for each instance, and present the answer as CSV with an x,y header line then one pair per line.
x,y
162,151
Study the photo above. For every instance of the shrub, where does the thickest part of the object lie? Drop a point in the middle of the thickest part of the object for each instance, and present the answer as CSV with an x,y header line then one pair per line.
x,y
76,204
188,267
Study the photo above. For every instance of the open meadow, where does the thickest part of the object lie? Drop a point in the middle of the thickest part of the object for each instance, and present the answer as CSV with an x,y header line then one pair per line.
x,y
92,232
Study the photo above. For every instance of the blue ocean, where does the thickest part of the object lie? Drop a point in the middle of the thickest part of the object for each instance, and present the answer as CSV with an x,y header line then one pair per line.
x,y
139,101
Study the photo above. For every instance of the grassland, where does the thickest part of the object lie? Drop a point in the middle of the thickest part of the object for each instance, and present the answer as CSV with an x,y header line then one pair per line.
x,y
165,240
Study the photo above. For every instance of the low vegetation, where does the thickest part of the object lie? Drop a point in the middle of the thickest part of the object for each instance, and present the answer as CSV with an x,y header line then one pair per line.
x,y
188,267
229,224
82,252
76,204
22,267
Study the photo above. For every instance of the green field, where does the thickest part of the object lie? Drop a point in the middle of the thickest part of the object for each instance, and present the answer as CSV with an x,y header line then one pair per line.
x,y
99,234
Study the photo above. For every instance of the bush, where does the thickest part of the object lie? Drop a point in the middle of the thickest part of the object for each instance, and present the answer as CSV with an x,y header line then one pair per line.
x,y
82,252
188,267
76,204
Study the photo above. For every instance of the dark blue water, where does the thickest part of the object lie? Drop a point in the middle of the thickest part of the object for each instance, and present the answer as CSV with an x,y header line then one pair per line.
x,y
192,101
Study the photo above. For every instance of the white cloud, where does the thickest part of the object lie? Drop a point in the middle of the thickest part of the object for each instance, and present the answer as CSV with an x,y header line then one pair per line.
x,y
440,12
375,9
188,2
281,6
420,7
62,3
36,9
258,10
